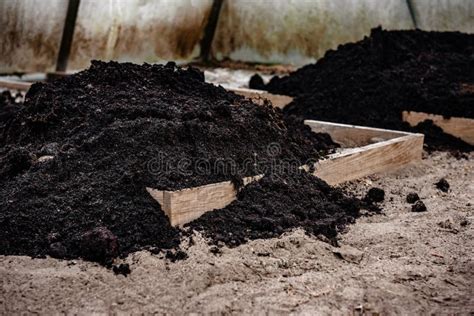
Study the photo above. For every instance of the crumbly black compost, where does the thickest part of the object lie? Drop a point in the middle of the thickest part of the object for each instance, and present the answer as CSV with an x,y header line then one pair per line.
x,y
418,207
163,116
279,203
442,185
77,156
372,81
9,105
412,197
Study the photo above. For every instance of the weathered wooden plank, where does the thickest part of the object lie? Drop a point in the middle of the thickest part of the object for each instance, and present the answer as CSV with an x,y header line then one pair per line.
x,y
391,150
182,206
353,135
384,156
462,128
14,85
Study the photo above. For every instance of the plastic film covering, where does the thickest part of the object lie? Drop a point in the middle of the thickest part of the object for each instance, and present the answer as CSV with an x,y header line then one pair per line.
x,y
444,15
30,35
299,31
138,31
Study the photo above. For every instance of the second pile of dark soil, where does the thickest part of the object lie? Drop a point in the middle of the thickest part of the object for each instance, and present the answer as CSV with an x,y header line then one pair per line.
x,y
76,158
372,81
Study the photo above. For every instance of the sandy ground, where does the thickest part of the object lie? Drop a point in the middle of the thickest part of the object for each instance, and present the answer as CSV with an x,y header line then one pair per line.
x,y
398,263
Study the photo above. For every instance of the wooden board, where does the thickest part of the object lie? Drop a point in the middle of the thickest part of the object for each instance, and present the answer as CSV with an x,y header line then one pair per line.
x,y
15,85
462,128
381,151
352,135
183,206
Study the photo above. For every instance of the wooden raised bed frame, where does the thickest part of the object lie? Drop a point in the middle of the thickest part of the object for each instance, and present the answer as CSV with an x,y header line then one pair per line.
x,y
462,128
376,150
15,84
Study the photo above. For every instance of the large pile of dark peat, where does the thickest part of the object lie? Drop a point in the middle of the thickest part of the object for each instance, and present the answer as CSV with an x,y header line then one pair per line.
x,y
278,203
372,81
76,158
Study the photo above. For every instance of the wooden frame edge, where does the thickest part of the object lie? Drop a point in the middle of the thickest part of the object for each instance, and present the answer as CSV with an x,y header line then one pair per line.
x,y
460,127
397,150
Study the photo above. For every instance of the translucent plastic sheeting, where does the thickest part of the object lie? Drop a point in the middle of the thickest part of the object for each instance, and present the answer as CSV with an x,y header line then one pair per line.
x,y
444,15
30,34
300,31
138,31
268,31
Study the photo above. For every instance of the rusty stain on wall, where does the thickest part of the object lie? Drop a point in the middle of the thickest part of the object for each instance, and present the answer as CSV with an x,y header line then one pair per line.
x,y
300,31
138,31
30,34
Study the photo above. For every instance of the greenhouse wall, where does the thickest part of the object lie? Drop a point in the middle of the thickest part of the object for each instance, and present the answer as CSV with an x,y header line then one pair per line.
x,y
265,31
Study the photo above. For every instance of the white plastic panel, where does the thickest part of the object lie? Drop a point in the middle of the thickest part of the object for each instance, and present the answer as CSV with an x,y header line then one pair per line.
x,y
138,31
30,34
445,15
299,31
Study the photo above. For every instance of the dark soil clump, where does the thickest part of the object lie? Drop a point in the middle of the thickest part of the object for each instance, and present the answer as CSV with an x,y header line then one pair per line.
x,y
123,269
442,185
174,256
375,195
372,81
256,82
77,157
418,207
412,197
99,244
279,203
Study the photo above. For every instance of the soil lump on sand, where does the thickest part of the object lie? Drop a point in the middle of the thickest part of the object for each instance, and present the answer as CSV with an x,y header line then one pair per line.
x,y
442,185
412,197
418,207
